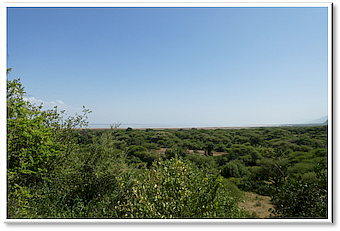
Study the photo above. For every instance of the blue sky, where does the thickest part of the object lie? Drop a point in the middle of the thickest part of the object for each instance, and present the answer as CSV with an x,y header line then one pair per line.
x,y
174,66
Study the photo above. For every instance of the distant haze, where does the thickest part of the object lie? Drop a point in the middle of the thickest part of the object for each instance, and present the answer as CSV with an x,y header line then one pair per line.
x,y
320,120
191,125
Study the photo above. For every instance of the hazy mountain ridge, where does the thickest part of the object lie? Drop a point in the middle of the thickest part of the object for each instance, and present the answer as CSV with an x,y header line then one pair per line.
x,y
323,119
318,122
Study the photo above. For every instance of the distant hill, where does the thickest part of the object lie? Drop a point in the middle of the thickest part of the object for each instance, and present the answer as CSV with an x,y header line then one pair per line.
x,y
320,120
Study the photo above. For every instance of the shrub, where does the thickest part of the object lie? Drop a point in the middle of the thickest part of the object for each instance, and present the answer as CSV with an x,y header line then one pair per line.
x,y
298,198
303,197
37,140
177,189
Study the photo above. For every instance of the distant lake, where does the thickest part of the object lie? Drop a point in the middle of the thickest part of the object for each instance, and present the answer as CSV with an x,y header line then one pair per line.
x,y
186,125
150,125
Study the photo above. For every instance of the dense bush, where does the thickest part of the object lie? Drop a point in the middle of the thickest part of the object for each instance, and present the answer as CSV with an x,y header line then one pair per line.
x,y
55,170
303,197
177,189
37,140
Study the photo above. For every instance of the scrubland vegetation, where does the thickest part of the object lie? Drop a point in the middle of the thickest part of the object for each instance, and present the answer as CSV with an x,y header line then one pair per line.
x,y
57,170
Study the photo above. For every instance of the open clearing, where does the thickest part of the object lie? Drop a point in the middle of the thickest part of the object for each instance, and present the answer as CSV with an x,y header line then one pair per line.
x,y
201,152
258,204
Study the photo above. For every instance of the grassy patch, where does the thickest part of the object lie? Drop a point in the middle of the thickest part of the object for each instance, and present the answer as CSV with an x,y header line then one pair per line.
x,y
254,203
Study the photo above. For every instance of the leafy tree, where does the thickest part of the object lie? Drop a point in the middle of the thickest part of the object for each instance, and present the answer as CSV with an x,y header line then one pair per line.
x,y
277,133
36,142
202,161
81,182
231,170
281,145
177,189
136,149
175,151
87,175
303,198
150,146
255,140
209,147
220,148
266,152
234,168
221,160
238,139
273,170
320,152
300,169
304,140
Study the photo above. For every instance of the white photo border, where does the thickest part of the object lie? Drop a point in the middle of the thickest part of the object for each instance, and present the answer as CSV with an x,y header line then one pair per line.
x,y
80,4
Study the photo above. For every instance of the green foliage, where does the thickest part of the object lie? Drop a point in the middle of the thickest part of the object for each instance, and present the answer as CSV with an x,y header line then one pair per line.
x,y
56,170
207,162
36,142
209,147
303,197
175,151
235,169
273,170
177,189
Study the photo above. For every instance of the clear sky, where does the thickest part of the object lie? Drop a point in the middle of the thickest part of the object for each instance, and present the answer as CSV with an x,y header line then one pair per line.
x,y
174,66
